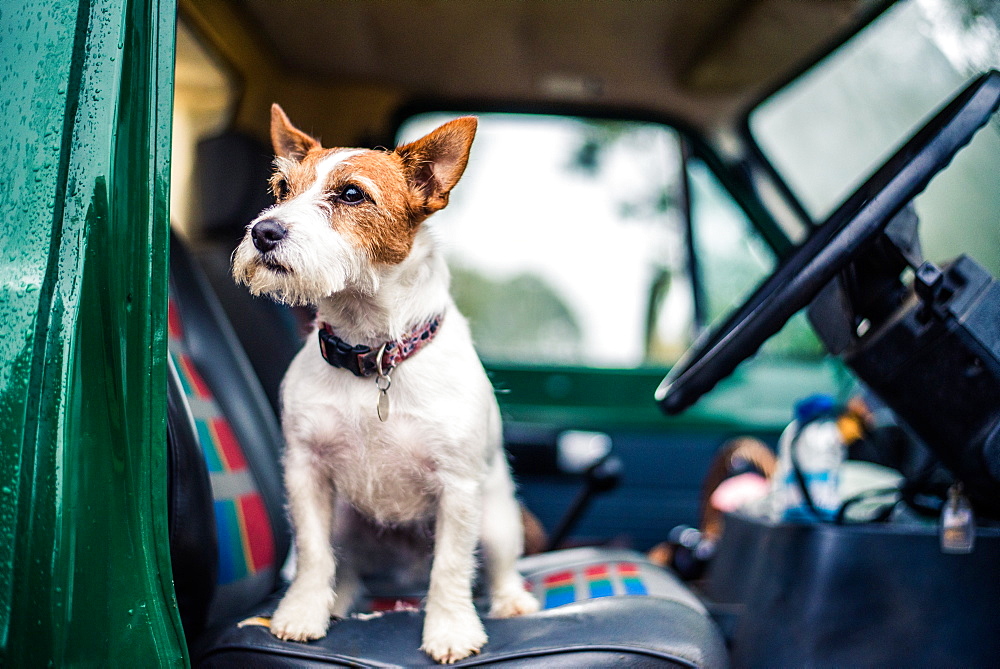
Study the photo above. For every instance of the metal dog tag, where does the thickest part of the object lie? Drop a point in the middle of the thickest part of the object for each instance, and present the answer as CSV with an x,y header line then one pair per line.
x,y
383,404
382,382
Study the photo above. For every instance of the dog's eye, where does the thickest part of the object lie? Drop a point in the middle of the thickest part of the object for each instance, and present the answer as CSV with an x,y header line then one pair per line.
x,y
280,189
351,195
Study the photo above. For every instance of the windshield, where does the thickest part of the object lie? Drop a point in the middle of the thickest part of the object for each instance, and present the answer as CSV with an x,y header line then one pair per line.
x,y
827,130
566,241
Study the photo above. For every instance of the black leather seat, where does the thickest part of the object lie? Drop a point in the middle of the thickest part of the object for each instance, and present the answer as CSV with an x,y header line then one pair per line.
x,y
615,631
602,607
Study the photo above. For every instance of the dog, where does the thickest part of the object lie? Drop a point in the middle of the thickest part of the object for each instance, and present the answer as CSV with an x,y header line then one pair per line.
x,y
390,423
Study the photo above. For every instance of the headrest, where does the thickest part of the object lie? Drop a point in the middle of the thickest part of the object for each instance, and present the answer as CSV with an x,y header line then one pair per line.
x,y
231,172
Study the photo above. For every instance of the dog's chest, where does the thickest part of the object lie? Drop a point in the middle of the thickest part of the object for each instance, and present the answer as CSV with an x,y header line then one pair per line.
x,y
442,424
386,472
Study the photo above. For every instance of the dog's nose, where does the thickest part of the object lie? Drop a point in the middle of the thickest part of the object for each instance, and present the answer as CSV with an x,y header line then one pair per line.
x,y
267,233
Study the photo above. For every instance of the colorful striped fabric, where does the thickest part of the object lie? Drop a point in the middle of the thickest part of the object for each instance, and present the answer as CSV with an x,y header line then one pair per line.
x,y
559,589
590,582
246,544
630,579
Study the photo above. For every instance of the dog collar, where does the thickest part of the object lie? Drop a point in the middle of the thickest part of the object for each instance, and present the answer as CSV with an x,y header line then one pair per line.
x,y
363,360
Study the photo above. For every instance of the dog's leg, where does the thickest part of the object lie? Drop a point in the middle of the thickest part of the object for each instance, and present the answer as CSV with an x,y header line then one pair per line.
x,y
503,542
452,629
348,587
304,611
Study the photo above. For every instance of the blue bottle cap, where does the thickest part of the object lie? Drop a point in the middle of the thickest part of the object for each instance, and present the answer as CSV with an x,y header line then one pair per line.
x,y
812,407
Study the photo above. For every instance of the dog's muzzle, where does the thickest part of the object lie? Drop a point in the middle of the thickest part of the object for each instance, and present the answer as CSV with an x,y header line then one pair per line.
x,y
267,233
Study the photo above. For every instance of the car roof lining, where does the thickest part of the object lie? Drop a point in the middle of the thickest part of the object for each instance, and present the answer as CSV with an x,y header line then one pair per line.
x,y
702,62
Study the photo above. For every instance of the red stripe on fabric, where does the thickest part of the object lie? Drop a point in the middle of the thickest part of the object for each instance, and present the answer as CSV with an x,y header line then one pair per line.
x,y
174,328
194,378
259,537
394,603
597,571
229,447
561,578
627,569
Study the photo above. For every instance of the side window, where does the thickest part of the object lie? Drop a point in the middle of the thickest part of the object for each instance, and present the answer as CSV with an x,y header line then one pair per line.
x,y
733,260
566,241
204,94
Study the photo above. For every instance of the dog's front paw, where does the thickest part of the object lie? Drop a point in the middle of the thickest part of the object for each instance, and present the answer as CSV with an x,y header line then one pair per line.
x,y
302,617
516,603
449,638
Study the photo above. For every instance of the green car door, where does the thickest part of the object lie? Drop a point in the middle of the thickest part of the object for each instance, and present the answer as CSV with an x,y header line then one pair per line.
x,y
85,98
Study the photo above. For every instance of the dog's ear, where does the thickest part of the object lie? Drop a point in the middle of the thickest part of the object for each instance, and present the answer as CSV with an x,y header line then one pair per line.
x,y
435,162
288,141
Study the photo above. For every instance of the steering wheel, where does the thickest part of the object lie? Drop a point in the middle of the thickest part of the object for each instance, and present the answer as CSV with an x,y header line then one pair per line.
x,y
832,246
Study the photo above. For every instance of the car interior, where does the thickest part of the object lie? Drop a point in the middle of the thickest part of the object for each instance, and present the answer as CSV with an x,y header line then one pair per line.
x,y
624,356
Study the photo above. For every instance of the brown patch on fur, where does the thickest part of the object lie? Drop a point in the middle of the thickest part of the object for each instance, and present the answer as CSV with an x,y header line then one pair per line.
x,y
402,187
386,223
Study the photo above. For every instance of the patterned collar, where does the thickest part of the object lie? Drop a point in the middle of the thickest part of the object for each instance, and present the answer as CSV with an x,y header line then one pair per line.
x,y
363,360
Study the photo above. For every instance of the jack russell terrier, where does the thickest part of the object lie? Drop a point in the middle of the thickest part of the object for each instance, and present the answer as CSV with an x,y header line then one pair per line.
x,y
391,425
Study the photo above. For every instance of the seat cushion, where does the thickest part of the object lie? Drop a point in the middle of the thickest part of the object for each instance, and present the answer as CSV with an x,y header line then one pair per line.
x,y
607,607
612,631
577,574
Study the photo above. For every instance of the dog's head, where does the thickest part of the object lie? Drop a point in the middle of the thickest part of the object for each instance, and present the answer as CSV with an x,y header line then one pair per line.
x,y
343,214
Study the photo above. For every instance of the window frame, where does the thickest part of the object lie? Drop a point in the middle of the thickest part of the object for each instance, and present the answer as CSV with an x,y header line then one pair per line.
x,y
756,155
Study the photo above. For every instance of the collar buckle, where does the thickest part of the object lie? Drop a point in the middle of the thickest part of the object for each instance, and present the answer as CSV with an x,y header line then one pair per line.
x,y
358,360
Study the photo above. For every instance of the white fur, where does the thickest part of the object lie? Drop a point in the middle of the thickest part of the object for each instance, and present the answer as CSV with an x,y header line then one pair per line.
x,y
439,456
323,262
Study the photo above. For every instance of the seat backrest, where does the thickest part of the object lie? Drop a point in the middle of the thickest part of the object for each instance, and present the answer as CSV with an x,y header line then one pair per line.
x,y
232,171
193,545
239,441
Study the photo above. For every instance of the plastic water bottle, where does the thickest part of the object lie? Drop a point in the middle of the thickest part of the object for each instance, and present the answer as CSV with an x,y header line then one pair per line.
x,y
810,453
